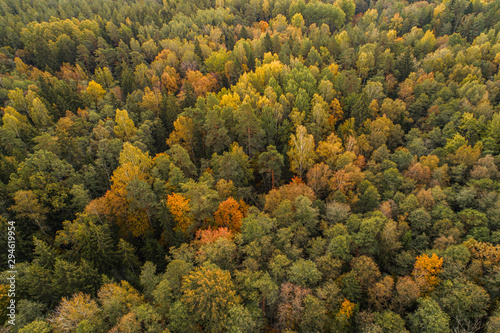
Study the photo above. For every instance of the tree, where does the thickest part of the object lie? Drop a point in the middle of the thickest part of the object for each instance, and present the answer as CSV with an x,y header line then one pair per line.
x,y
407,293
208,294
344,316
130,201
89,240
289,192
14,122
30,311
216,62
348,6
366,271
203,199
95,91
241,320
49,179
291,306
125,127
381,293
304,273
271,162
369,198
180,209
39,113
390,322
249,128
152,99
366,61
466,303
329,150
318,178
429,317
36,326
202,84
426,271
68,278
73,312
184,134
301,151
28,206
181,159
117,300
216,137
229,214
233,165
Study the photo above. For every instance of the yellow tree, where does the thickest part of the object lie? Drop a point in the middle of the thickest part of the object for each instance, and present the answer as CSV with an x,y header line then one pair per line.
x,y
4,301
152,100
426,271
184,134
129,202
118,299
329,150
208,293
366,61
13,121
39,113
28,206
336,113
170,79
344,316
30,104
301,151
71,312
180,209
95,91
125,127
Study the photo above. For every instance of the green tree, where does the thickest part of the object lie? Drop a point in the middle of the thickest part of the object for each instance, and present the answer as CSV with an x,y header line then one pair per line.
x,y
233,165
368,198
270,163
429,317
465,303
216,137
390,322
304,273
36,326
49,180
88,239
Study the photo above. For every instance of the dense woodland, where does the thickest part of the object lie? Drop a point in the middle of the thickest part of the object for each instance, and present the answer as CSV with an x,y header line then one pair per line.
x,y
251,166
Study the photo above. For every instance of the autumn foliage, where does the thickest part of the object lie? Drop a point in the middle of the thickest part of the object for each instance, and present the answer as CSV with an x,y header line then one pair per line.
x,y
290,192
179,208
208,236
426,271
251,166
229,214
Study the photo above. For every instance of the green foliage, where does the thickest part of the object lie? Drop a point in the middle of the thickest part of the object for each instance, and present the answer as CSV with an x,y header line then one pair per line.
x,y
304,273
36,326
429,317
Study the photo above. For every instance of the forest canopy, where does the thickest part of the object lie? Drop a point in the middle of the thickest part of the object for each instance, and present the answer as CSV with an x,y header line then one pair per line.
x,y
251,166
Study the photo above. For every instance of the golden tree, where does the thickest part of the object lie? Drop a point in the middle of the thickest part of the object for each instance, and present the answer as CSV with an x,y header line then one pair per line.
x,y
426,271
